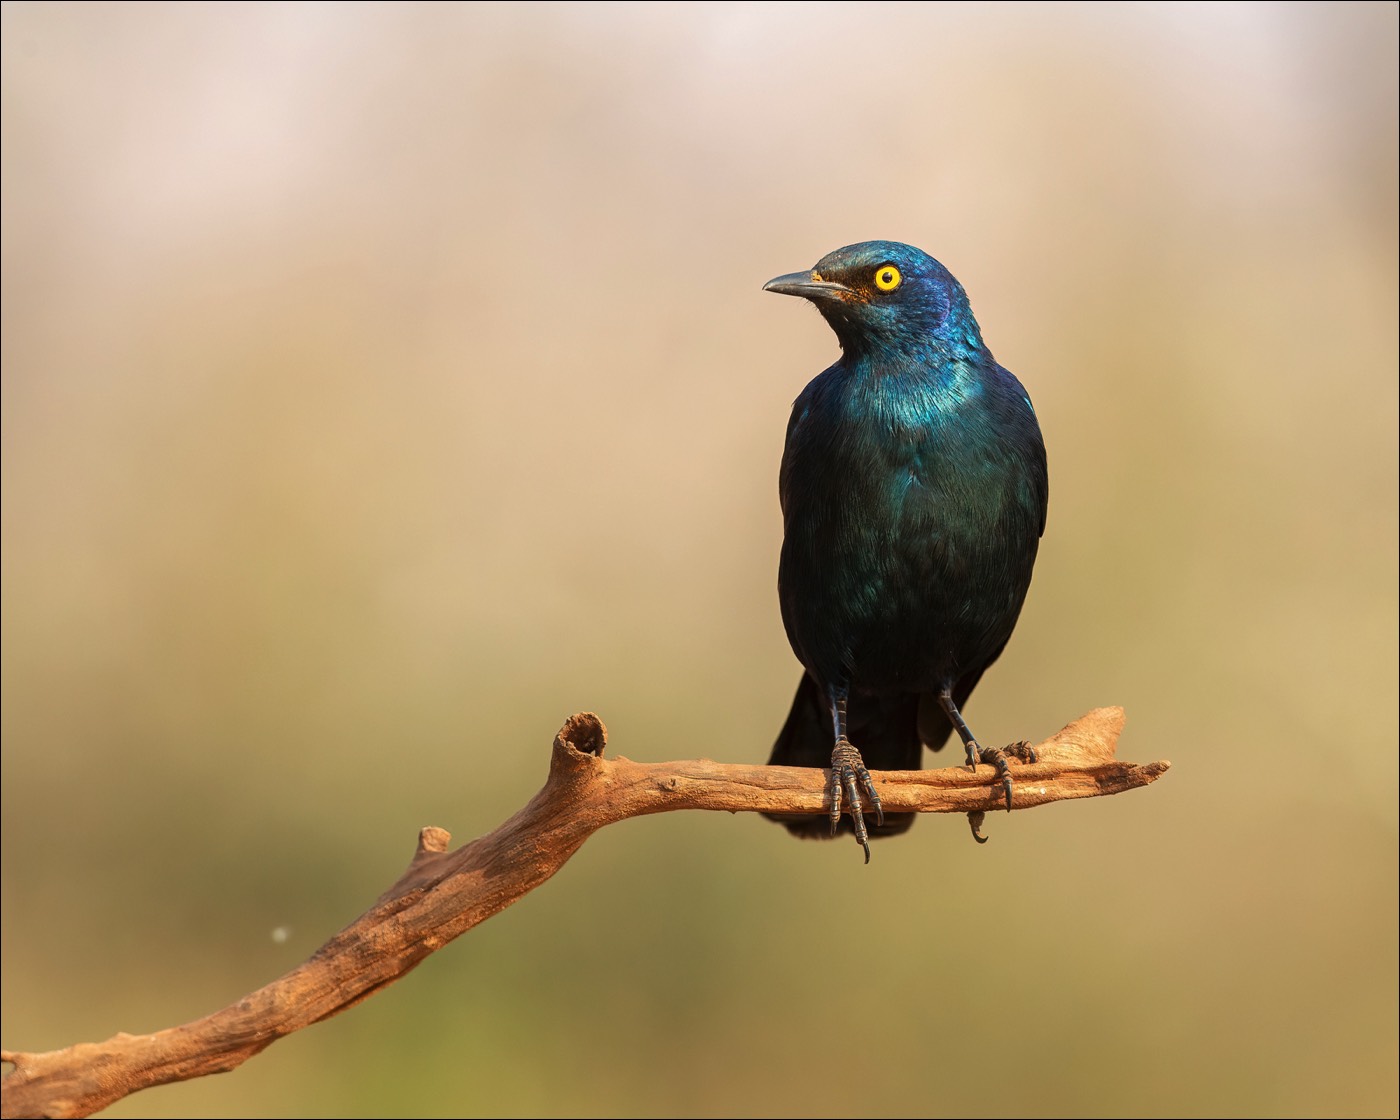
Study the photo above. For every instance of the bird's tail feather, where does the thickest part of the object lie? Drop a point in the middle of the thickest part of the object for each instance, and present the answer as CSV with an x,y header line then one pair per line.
x,y
884,729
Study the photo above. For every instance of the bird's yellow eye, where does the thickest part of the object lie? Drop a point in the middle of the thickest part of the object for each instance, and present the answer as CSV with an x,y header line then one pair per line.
x,y
887,278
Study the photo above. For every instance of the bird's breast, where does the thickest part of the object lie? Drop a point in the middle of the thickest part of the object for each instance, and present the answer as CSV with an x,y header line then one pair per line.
x,y
908,545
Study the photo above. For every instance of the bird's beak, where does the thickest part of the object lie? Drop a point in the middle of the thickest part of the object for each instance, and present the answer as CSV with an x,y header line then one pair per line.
x,y
808,286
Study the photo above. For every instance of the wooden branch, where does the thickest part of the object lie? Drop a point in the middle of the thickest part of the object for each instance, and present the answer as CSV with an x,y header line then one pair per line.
x,y
443,894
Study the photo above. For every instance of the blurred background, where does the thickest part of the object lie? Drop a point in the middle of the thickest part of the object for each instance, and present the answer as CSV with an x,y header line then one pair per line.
x,y
383,383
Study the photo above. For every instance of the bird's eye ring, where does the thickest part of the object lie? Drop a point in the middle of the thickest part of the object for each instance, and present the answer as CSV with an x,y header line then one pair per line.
x,y
887,278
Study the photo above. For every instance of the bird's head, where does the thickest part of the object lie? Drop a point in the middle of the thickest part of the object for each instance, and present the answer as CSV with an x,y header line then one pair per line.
x,y
885,294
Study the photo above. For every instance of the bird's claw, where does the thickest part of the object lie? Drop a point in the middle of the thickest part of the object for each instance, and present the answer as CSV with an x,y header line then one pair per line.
x,y
997,756
975,819
974,752
848,773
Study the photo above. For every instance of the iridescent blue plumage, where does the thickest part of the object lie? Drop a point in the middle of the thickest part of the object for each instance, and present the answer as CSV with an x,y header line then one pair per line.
x,y
914,490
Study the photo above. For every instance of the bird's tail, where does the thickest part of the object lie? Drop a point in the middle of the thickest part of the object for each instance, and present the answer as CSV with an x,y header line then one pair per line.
x,y
885,729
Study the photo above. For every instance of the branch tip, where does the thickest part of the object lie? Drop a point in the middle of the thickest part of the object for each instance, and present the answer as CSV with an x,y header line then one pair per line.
x,y
585,733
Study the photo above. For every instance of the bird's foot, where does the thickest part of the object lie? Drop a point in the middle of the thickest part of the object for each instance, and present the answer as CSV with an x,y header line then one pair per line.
x,y
997,756
848,773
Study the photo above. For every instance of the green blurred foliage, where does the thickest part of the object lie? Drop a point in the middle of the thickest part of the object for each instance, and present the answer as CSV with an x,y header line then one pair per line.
x,y
383,383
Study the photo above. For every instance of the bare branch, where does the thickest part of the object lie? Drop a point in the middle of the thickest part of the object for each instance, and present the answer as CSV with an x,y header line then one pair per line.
x,y
444,893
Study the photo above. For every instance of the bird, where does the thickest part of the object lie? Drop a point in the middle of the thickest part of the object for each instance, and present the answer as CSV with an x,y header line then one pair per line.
x,y
914,490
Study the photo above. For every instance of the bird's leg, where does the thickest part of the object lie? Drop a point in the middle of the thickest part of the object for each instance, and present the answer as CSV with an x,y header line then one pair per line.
x,y
945,701
848,772
991,756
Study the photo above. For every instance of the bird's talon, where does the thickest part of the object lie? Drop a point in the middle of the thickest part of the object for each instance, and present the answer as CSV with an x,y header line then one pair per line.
x,y
868,784
1022,752
849,775
848,778
975,819
997,756
833,797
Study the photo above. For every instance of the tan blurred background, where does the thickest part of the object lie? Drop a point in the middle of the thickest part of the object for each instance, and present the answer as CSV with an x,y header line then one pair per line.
x,y
384,383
